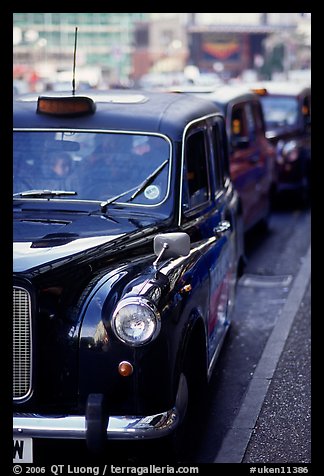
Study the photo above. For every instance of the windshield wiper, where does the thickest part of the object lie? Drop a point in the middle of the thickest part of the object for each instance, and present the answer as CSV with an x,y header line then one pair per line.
x,y
138,189
45,193
148,180
105,204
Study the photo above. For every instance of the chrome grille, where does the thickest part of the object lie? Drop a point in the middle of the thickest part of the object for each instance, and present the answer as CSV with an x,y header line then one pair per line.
x,y
21,344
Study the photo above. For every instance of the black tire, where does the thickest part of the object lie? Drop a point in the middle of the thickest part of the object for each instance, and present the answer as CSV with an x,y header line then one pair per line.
x,y
181,445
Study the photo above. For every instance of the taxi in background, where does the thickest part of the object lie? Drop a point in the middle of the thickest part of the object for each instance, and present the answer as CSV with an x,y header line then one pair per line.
x,y
287,112
251,154
127,247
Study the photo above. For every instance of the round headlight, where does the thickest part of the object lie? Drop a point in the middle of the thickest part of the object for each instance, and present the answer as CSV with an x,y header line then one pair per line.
x,y
136,321
290,151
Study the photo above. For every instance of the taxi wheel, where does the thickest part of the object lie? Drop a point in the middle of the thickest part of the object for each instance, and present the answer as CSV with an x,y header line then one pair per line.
x,y
181,445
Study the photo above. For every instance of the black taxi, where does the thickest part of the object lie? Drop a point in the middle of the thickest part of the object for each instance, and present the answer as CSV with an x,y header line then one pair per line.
x,y
287,112
127,247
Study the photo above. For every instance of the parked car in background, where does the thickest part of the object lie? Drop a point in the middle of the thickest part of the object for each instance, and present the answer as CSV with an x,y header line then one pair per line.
x,y
127,246
252,156
287,111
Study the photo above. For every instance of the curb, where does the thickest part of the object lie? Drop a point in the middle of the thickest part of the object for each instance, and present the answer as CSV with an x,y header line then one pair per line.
x,y
238,436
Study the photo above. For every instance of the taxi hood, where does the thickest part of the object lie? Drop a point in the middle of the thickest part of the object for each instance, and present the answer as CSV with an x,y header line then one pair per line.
x,y
41,241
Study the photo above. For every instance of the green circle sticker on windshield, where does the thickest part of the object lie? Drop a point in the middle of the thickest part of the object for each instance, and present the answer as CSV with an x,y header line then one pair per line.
x,y
152,192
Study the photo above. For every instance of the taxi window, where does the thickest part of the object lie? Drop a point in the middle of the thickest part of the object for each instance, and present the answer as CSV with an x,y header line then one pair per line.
x,y
196,185
238,122
219,154
97,166
258,117
250,121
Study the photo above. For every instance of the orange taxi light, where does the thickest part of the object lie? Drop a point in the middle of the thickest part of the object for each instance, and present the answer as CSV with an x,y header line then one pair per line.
x,y
260,91
65,106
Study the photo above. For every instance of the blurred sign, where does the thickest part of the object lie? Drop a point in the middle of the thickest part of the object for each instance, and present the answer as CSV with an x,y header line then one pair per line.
x,y
221,47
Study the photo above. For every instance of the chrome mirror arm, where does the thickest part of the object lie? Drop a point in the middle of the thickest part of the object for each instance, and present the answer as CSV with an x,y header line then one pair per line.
x,y
164,248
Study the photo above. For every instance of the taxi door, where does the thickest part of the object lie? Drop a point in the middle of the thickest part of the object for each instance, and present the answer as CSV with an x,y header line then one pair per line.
x,y
249,161
207,218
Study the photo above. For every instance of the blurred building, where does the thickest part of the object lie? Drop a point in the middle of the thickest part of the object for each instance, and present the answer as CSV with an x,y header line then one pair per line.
x,y
233,43
118,48
45,42
160,44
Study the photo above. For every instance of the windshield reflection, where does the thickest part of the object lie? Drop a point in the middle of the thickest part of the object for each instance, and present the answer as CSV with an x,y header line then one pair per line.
x,y
97,166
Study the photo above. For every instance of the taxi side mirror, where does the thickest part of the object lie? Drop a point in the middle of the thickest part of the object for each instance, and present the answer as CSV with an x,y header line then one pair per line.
x,y
171,245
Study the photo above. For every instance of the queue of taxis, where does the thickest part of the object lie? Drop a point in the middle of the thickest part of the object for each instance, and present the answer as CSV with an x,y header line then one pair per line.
x,y
287,112
251,154
128,243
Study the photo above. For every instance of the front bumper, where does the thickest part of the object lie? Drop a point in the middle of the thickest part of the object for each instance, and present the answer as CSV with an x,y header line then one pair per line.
x,y
75,427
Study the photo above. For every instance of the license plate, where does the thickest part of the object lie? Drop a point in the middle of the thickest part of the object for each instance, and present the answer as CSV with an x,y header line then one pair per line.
x,y
22,450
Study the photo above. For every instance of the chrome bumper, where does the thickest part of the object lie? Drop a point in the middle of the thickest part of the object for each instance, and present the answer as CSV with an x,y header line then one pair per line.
x,y
75,427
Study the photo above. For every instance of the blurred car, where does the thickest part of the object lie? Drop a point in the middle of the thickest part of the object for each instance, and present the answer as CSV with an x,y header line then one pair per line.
x,y
252,156
124,272
287,111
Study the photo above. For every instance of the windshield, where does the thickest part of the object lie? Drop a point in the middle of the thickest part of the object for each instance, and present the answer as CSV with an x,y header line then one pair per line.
x,y
95,165
279,111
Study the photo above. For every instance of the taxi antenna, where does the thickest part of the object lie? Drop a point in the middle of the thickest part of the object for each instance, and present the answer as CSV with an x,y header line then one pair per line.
x,y
74,60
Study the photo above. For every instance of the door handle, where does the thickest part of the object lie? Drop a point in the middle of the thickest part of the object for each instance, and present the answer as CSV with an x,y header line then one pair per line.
x,y
222,226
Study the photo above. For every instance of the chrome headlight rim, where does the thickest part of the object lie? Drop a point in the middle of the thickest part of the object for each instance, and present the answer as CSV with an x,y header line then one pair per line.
x,y
140,302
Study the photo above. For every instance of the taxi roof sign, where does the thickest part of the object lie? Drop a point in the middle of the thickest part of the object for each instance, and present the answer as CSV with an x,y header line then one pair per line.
x,y
65,106
260,91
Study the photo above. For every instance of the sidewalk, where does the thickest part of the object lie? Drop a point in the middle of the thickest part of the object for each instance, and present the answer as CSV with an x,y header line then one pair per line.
x,y
282,433
273,424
